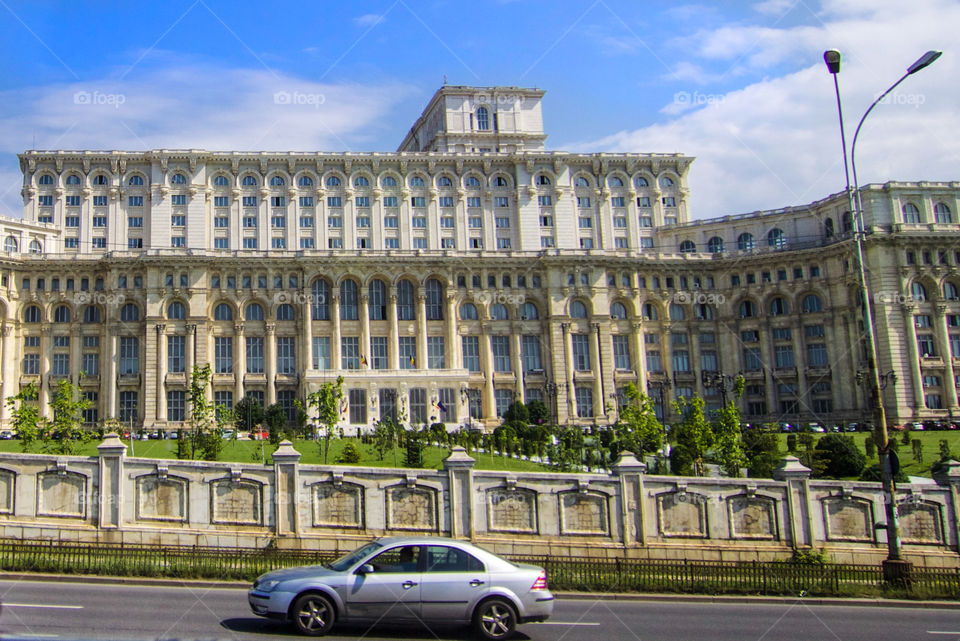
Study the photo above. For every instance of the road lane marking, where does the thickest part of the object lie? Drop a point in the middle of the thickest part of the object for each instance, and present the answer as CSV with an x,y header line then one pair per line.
x,y
565,623
42,605
942,632
39,636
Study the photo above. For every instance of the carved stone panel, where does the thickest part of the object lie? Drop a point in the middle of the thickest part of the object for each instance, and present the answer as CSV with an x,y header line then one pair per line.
x,y
236,502
411,508
921,522
8,483
584,513
337,505
62,494
753,517
162,498
848,518
512,510
682,514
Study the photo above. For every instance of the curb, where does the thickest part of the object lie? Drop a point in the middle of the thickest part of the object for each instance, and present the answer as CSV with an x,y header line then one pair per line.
x,y
564,596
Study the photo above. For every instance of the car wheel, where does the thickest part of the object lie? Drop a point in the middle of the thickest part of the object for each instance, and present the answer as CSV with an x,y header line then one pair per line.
x,y
313,614
495,620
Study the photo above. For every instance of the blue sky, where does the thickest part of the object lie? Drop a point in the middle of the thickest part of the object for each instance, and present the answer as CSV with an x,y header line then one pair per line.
x,y
740,85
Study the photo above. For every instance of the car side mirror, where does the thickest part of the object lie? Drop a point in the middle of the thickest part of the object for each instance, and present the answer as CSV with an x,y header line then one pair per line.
x,y
366,568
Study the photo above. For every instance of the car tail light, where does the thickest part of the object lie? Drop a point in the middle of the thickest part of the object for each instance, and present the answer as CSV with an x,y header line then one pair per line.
x,y
541,582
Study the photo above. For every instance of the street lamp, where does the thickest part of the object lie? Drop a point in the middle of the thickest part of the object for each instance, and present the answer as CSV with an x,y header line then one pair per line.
x,y
895,569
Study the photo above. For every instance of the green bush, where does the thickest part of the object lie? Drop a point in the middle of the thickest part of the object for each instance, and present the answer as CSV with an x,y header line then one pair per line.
x,y
350,453
841,456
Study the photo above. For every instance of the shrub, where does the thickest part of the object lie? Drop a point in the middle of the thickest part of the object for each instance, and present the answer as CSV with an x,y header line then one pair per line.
x,y
841,455
350,453
791,442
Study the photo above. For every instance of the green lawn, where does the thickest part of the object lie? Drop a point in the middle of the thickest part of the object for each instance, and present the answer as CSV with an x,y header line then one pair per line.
x,y
929,439
260,451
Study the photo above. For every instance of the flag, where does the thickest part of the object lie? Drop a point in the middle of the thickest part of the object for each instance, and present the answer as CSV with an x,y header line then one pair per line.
x,y
363,360
413,362
441,406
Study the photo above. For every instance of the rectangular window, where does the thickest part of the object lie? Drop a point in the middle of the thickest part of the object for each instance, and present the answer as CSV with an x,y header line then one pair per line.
x,y
221,222
391,243
349,352
389,201
420,243
306,201
45,201
681,360
61,365
278,222
221,243
91,415
306,243
286,355
581,352
501,201
530,349
176,354
334,201
390,222
585,222
617,201
378,352
926,346
584,402
254,354
445,201
135,221
408,352
419,221
71,221
817,355
278,242
221,201
278,201
471,353
418,201
178,220
223,354
784,355
176,406
503,398
91,364
653,361
621,352
249,243
545,201
249,201
358,406
135,201
500,345
435,352
473,202
178,199
418,405
178,241
752,359
583,202
709,362
447,222
129,355
321,352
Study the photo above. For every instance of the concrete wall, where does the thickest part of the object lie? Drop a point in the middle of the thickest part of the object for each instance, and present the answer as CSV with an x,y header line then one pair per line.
x,y
627,513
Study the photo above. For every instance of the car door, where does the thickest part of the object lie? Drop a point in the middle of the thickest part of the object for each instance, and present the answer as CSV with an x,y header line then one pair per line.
x,y
391,591
452,582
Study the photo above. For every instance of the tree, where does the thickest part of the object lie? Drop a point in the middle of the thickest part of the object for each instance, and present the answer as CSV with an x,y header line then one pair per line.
x,y
413,453
350,454
275,420
763,451
694,436
539,414
841,455
729,438
385,433
26,415
326,402
638,429
206,436
517,413
249,414
68,405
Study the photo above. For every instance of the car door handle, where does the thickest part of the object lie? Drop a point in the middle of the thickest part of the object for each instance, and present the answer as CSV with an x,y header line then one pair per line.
x,y
475,583
408,584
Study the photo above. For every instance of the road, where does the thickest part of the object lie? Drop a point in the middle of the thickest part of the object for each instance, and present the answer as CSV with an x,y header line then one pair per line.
x,y
66,610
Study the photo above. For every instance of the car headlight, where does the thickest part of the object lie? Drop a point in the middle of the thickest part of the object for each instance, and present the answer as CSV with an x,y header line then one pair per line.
x,y
268,586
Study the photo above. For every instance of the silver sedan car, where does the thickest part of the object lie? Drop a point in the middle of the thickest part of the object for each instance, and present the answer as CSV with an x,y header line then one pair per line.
x,y
408,579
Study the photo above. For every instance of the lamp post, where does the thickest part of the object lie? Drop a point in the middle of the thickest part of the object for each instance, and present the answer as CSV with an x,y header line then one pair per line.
x,y
895,569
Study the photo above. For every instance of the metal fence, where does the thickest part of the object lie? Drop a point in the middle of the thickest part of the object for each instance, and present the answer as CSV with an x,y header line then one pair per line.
x,y
593,575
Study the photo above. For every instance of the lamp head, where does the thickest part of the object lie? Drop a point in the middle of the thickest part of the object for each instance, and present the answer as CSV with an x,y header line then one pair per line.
x,y
832,58
924,61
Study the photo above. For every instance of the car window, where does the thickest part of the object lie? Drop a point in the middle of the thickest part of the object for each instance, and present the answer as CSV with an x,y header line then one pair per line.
x,y
401,559
348,560
441,558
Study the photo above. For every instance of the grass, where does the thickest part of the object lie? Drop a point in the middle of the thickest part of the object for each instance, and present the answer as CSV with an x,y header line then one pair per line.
x,y
260,451
930,441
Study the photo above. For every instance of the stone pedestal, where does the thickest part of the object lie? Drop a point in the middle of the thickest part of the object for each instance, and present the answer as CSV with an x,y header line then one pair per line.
x,y
286,462
459,467
109,495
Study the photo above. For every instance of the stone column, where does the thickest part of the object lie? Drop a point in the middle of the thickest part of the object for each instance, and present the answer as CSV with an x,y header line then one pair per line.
x,y
191,349
286,499
270,362
486,365
452,346
640,354
459,468
7,371
365,329
593,340
517,360
796,476
46,348
110,353
916,376
568,364
240,361
630,472
110,499
943,338
307,316
335,339
160,402
421,331
393,342
948,475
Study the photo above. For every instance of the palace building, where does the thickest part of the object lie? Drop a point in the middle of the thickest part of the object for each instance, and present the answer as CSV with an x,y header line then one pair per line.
x,y
469,269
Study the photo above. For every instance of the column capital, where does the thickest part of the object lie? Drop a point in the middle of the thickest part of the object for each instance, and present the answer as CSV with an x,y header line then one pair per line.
x,y
191,328
159,327
238,328
271,327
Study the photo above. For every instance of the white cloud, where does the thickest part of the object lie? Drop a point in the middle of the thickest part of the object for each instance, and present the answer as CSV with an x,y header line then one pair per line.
x,y
369,19
195,107
776,142
775,7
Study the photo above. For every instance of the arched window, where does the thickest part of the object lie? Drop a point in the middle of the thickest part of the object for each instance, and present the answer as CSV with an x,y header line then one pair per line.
x,y
500,181
100,180
10,244
543,179
320,300
285,312
472,181
942,214
578,309
581,182
249,181
277,181
483,119
73,179
254,312
677,312
61,314
715,245
91,314
704,311
616,182
498,311
221,181
333,181
776,238
748,309
389,181
910,213
405,310
45,179
377,300
779,306
135,181
129,312
811,303
649,312
361,181
640,181
178,179
468,311
434,302
745,242
444,181
348,300
828,227
305,181
529,311
950,291
666,181
32,314
918,291
35,247
416,181
176,311
688,247
223,312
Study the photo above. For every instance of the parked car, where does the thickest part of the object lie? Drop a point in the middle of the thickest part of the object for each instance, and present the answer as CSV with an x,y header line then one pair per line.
x,y
6,435
815,427
407,579
259,435
786,427
916,426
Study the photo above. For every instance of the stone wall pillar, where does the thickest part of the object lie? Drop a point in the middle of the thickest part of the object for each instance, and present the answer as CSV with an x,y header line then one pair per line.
x,y
109,503
286,497
797,477
948,475
459,468
630,471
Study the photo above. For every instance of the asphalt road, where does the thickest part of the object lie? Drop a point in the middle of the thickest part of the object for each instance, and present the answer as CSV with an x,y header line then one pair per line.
x,y
65,610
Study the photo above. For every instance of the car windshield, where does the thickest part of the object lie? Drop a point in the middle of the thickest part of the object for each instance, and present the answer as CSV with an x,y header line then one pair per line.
x,y
346,561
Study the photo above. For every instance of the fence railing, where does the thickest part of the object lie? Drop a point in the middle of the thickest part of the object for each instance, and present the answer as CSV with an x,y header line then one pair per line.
x,y
594,575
